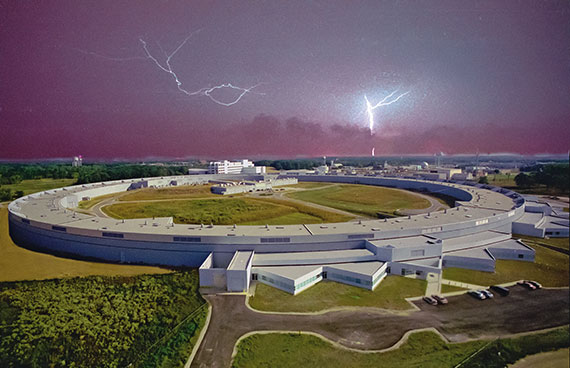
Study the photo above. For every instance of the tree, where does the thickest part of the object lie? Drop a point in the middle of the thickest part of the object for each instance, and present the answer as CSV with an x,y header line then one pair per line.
x,y
524,181
483,180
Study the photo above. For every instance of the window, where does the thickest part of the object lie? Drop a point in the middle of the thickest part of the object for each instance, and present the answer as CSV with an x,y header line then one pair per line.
x,y
113,235
403,272
360,236
418,273
25,221
388,269
521,255
187,239
59,228
275,240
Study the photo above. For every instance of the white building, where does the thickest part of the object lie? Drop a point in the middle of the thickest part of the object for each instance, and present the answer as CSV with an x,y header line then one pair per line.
x,y
232,167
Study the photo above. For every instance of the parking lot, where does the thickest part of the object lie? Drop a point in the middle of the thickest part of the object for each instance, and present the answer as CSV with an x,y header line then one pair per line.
x,y
371,329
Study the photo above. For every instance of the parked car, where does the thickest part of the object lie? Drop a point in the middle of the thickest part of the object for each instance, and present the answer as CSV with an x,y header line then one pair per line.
x,y
487,293
430,300
476,294
440,299
527,285
503,291
535,284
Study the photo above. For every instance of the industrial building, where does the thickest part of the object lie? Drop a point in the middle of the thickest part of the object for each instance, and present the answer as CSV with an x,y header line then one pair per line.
x,y
234,167
473,234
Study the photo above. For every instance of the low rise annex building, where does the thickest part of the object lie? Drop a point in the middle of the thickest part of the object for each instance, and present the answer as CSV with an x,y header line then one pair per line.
x,y
473,234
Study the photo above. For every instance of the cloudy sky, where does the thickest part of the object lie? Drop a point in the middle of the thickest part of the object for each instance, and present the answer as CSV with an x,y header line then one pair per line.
x,y
492,76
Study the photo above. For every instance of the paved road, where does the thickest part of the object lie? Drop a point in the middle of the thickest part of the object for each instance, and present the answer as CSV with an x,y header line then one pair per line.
x,y
370,329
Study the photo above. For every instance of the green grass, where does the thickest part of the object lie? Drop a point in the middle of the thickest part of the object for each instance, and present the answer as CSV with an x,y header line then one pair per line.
x,y
17,263
502,180
38,185
88,204
389,294
550,269
181,192
561,243
362,199
99,321
450,288
422,349
308,185
225,211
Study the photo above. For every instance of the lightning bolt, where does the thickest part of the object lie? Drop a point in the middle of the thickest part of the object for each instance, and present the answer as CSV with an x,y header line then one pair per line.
x,y
388,100
206,91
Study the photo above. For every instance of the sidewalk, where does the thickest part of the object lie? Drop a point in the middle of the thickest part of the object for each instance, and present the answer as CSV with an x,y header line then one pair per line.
x,y
462,284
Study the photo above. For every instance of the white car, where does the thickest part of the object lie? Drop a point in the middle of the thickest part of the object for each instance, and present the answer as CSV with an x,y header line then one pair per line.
x,y
487,293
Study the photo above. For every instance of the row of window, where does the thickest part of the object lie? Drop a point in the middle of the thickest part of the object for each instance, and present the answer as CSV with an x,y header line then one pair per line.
x,y
307,282
275,282
113,235
187,239
354,280
360,236
275,240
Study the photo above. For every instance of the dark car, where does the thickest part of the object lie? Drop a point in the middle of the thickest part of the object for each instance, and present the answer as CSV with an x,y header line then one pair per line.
x,y
476,294
501,290
535,284
429,300
440,299
527,285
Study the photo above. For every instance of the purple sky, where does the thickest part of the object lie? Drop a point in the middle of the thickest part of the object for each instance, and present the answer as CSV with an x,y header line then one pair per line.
x,y
492,76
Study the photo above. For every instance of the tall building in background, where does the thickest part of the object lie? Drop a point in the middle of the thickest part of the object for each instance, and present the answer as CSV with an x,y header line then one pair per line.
x,y
234,167
77,161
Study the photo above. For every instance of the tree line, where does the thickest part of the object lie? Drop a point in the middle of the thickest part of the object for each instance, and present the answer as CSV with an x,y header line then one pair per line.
x,y
552,176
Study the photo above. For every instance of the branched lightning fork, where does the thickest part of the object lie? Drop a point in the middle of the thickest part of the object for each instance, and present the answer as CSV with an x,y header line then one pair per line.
x,y
385,102
206,91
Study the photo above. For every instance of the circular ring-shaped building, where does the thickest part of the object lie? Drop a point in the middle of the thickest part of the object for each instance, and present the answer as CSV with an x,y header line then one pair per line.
x,y
472,234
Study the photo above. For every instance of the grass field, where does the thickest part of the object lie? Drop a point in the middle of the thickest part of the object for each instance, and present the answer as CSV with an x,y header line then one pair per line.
x,y
38,185
308,185
362,199
422,349
226,211
450,288
561,243
88,204
550,269
389,294
181,192
21,264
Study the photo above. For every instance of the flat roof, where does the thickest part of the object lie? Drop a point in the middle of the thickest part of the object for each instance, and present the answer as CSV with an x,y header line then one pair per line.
x,y
410,241
289,272
46,207
240,260
315,257
473,240
476,253
363,268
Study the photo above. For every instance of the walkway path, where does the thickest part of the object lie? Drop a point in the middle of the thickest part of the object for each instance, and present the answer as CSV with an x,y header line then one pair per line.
x,y
462,284
463,318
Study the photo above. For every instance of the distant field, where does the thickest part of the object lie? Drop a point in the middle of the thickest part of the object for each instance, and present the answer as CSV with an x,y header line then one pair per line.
x,y
38,185
17,263
390,294
225,211
422,349
186,191
363,200
502,180
550,268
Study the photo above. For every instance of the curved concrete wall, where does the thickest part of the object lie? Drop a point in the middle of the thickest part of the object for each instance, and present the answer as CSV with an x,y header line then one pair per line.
x,y
42,221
